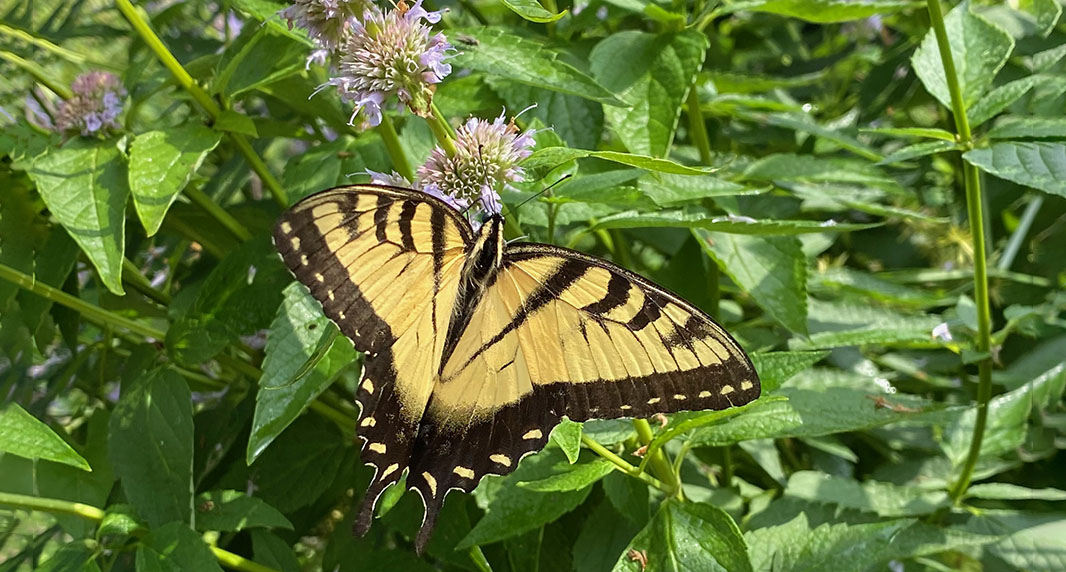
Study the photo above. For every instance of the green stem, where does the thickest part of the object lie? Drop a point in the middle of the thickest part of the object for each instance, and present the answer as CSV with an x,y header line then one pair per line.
x,y
392,144
974,203
623,466
90,312
697,128
442,130
54,506
552,7
234,226
660,465
213,109
38,73
132,276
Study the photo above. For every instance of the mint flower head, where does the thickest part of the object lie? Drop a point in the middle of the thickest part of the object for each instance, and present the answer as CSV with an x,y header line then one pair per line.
x,y
392,53
486,161
328,22
95,106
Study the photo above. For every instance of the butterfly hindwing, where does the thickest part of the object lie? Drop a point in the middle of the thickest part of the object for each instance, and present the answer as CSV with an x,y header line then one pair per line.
x,y
385,264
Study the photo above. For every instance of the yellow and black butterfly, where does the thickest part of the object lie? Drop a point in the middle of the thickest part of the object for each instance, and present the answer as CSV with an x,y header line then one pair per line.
x,y
475,348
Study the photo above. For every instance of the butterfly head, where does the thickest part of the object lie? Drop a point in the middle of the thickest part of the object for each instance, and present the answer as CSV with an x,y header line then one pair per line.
x,y
487,251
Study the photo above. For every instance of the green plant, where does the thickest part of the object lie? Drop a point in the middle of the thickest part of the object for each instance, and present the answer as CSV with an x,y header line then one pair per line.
x,y
869,194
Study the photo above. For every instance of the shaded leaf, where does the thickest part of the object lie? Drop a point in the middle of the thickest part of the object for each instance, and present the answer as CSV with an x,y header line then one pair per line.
x,y
823,11
688,536
230,511
161,164
567,435
175,548
1040,165
884,499
724,224
775,368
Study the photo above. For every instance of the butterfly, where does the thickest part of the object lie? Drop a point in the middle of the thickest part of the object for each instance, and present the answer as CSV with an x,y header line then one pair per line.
x,y
474,348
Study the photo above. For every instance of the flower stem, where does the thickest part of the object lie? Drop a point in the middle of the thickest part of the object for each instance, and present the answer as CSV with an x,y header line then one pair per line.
x,y
92,313
392,144
974,204
213,109
1019,234
38,73
88,512
623,466
234,226
660,465
442,130
132,276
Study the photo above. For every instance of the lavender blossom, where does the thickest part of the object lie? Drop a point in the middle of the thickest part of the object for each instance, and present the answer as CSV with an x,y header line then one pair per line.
x,y
328,22
392,53
486,160
95,105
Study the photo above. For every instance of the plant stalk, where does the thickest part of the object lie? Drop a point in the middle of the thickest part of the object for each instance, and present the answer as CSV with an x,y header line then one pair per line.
x,y
442,130
660,465
202,200
213,109
392,144
38,73
974,208
623,466
26,502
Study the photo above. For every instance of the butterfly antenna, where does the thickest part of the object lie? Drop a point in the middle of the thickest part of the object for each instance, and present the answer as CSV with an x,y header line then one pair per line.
x,y
539,193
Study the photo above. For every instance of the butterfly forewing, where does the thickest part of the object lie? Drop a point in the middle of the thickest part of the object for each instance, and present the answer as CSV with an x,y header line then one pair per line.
x,y
385,264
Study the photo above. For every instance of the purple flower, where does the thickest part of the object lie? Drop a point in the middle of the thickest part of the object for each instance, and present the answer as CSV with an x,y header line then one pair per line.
x,y
95,105
328,22
392,53
486,160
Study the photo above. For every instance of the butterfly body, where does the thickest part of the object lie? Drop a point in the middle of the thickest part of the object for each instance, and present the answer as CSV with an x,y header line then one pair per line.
x,y
476,348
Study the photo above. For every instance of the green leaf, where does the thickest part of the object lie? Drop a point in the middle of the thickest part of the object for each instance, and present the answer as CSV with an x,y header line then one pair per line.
x,y
512,510
885,499
230,511
551,157
239,297
926,132
813,413
815,169
498,53
1033,540
999,99
775,368
73,557
824,11
688,536
797,547
567,435
18,235
659,70
52,266
1040,165
576,120
843,323
604,536
24,435
575,477
161,164
670,190
917,150
85,187
532,10
150,446
242,66
266,11
724,224
771,268
175,548
234,122
1008,491
300,466
299,333
1014,127
978,48
270,550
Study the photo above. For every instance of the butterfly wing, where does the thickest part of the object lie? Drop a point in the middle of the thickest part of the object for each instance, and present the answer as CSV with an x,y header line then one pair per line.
x,y
561,333
385,263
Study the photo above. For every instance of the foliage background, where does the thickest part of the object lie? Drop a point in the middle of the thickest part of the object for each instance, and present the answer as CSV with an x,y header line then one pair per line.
x,y
791,166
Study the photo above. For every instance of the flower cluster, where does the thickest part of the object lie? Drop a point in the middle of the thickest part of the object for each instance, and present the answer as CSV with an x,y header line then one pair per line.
x,y
385,53
486,160
95,106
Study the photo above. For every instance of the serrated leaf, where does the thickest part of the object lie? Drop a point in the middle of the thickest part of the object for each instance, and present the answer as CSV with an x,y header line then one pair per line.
x,y
659,70
24,435
796,546
300,466
499,53
573,478
512,510
161,164
824,11
845,323
685,536
884,499
772,269
1029,540
1040,165
150,446
567,435
532,10
576,120
999,99
235,122
1008,491
85,187
299,332
175,548
1014,127
978,48
239,297
723,224
671,190
775,368
917,151
811,168
241,67
230,511
73,557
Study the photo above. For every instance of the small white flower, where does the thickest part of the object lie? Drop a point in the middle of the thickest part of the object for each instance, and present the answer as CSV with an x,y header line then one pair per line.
x,y
734,218
942,332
